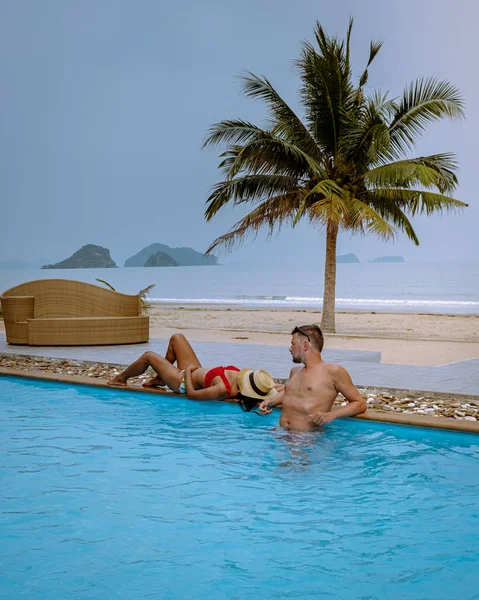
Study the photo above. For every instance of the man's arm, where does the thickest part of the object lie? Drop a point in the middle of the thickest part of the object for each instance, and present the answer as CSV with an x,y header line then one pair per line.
x,y
344,385
277,399
269,403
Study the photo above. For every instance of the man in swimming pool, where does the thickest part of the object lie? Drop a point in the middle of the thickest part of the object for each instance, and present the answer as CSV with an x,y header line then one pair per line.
x,y
308,396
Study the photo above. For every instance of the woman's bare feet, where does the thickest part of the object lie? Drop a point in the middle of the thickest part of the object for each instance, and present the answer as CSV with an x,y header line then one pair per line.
x,y
154,382
117,380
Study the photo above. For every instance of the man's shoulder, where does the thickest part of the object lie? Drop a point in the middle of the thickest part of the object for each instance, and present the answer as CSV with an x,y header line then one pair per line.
x,y
337,373
334,366
330,368
325,366
295,371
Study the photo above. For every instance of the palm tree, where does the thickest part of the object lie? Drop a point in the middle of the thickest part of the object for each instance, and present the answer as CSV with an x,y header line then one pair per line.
x,y
344,165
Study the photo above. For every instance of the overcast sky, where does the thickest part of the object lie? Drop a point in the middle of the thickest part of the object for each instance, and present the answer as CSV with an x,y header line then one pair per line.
x,y
104,105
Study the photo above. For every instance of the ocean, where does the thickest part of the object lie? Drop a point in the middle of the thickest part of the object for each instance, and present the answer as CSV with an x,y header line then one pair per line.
x,y
449,287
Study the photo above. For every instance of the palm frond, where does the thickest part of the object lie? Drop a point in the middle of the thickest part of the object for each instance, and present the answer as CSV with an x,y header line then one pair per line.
x,y
146,291
427,203
271,154
434,171
145,306
349,213
380,104
327,210
374,49
106,283
231,132
229,157
413,202
366,139
248,188
328,189
282,117
424,101
142,293
321,93
271,213
365,219
391,211
348,44
263,150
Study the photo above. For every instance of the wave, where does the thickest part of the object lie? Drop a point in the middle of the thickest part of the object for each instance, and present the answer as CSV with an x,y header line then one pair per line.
x,y
317,302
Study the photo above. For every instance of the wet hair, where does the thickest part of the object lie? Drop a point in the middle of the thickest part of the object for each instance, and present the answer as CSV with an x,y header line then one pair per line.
x,y
247,404
313,333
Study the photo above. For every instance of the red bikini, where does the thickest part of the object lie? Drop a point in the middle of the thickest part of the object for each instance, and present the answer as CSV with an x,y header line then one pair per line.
x,y
220,372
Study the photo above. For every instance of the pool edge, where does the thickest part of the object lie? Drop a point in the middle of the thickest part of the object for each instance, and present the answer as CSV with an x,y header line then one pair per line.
x,y
427,421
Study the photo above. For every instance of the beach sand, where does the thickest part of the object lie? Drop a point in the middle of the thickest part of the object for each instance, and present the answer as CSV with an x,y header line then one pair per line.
x,y
412,339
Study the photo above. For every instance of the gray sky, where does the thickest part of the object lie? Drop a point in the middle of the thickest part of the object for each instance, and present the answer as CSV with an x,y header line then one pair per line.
x,y
105,103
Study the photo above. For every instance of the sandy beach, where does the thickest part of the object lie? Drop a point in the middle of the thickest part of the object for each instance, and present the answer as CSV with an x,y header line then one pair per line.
x,y
412,339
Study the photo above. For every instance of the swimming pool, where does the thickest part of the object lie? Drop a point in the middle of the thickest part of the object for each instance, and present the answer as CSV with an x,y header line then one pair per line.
x,y
107,494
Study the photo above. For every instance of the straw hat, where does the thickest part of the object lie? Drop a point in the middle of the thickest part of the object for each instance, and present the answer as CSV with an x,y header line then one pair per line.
x,y
256,384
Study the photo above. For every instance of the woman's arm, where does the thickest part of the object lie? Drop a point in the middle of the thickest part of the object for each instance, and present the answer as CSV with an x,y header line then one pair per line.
x,y
214,392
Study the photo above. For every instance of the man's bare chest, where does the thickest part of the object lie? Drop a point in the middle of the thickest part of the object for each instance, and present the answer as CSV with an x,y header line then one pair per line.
x,y
306,390
311,383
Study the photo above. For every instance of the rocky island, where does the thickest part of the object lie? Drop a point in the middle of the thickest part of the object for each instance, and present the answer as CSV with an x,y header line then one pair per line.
x,y
88,257
161,259
182,256
347,258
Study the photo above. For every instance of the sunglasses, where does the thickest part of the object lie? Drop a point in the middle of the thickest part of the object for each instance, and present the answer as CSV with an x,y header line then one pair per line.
x,y
299,330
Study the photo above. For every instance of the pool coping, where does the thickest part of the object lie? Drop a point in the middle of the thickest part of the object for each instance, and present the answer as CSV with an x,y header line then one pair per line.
x,y
371,414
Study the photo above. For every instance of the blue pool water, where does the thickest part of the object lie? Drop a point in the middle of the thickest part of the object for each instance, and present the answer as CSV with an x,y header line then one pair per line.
x,y
107,494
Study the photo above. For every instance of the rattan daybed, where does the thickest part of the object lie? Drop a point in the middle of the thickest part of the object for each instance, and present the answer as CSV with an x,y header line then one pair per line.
x,y
60,312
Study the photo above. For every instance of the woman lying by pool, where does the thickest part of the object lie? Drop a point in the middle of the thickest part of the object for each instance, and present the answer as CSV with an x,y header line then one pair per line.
x,y
189,377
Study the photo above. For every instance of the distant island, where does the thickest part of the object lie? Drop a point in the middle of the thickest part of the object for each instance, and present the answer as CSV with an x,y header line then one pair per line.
x,y
182,256
88,257
161,259
347,258
387,259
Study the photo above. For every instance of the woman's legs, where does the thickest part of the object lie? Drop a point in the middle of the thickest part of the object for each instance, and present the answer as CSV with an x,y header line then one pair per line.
x,y
166,372
179,351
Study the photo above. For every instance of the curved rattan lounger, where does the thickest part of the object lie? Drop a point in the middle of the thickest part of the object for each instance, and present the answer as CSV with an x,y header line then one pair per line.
x,y
61,312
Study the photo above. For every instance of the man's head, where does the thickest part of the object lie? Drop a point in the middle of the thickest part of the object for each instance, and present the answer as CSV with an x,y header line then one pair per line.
x,y
305,339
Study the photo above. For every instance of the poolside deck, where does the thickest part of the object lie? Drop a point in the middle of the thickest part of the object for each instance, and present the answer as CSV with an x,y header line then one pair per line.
x,y
365,367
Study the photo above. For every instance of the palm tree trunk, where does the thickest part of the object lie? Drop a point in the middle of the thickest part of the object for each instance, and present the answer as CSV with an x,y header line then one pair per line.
x,y
328,323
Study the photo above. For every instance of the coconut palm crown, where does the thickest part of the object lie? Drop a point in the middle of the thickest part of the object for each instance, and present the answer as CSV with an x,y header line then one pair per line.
x,y
344,165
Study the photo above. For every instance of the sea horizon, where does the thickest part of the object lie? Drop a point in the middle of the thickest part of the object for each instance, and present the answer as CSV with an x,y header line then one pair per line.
x,y
449,287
